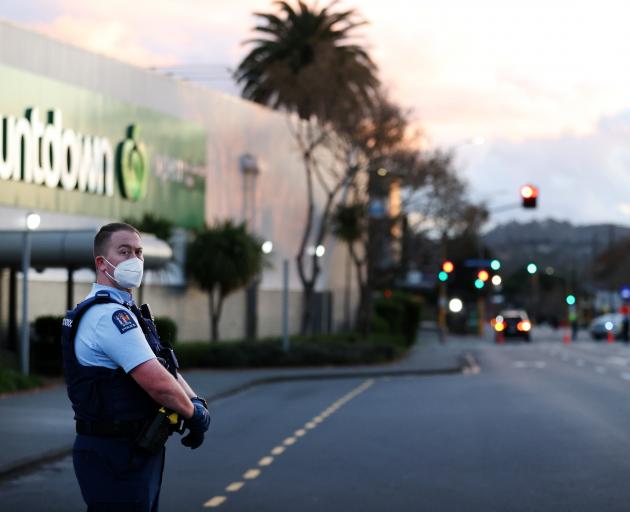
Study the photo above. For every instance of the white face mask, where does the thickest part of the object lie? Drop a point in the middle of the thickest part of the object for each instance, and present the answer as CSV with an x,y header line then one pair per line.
x,y
128,273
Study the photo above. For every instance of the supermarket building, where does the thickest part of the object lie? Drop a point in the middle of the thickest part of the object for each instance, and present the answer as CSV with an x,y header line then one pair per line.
x,y
86,140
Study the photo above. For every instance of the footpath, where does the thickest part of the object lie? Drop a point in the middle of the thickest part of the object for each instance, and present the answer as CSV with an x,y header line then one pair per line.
x,y
37,427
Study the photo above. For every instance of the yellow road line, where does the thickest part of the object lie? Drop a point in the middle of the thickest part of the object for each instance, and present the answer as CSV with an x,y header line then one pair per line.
x,y
214,502
251,474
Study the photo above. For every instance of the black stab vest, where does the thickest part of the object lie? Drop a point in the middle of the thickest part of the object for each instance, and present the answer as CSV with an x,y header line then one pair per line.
x,y
102,394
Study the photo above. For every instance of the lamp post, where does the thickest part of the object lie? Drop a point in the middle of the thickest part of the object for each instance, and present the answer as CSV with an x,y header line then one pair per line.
x,y
285,305
32,222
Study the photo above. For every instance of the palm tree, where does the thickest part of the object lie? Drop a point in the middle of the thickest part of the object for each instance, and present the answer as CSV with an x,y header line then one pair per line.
x,y
305,61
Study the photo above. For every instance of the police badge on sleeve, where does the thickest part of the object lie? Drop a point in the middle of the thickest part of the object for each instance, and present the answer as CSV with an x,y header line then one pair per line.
x,y
123,321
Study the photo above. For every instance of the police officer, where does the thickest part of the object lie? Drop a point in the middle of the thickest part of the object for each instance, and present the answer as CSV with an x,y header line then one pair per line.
x,y
123,384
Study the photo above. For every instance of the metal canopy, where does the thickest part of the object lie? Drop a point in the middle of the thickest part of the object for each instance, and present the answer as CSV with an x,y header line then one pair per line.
x,y
71,249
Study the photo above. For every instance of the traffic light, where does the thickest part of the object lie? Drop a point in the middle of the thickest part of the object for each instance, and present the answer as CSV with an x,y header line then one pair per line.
x,y
495,264
570,299
532,268
483,275
529,194
447,268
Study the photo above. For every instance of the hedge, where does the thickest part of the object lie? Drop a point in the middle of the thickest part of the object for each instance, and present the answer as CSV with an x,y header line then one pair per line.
x,y
399,313
246,354
335,349
12,380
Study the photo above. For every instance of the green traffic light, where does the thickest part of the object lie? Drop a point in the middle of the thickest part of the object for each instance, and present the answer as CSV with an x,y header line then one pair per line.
x,y
532,268
479,284
570,300
443,276
495,264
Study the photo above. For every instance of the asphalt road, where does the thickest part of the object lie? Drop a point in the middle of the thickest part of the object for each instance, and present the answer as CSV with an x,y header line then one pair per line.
x,y
542,427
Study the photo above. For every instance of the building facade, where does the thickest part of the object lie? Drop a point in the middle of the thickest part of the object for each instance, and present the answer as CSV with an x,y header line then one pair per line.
x,y
86,140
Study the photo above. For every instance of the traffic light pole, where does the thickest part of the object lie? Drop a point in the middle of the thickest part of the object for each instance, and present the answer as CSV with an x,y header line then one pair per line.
x,y
505,207
481,315
442,304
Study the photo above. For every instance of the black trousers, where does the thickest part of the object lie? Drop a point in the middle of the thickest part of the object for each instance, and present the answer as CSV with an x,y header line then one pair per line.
x,y
114,475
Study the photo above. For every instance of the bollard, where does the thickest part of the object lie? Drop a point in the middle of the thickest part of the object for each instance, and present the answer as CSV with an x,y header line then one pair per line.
x,y
611,337
566,338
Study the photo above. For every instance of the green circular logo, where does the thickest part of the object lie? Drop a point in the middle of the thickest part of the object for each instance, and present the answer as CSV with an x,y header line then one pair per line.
x,y
133,165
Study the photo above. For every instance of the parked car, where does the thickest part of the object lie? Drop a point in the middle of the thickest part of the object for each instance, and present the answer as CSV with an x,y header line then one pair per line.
x,y
601,325
512,323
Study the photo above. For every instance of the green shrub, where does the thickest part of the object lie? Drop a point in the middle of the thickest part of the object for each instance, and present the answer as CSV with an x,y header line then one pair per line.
x,y
411,318
398,314
391,309
379,325
12,380
167,329
269,353
45,354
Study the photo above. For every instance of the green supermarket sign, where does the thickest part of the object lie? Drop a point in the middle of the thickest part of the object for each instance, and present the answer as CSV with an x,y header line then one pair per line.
x,y
50,155
70,150
133,166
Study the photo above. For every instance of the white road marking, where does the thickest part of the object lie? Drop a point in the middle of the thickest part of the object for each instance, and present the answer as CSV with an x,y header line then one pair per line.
x,y
530,364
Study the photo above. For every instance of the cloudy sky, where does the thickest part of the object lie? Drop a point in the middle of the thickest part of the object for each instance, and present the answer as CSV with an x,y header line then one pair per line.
x,y
545,82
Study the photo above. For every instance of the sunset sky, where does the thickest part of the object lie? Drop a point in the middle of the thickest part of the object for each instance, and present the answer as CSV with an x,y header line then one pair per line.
x,y
546,83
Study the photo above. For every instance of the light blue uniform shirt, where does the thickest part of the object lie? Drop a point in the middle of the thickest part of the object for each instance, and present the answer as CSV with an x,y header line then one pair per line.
x,y
102,340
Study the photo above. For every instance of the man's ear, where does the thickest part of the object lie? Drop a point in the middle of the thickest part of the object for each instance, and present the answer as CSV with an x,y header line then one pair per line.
x,y
100,263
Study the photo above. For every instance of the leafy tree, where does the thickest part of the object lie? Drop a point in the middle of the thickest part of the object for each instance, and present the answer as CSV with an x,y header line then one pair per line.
x,y
380,135
222,259
441,202
610,267
305,62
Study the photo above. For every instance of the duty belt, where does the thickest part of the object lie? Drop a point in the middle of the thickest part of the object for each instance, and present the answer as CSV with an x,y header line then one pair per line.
x,y
128,429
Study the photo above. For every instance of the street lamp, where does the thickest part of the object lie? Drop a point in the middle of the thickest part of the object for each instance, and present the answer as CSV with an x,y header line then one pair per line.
x,y
455,305
267,247
32,222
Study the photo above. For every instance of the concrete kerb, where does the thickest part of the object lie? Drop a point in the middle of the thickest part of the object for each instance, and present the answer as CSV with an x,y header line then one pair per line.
x,y
466,364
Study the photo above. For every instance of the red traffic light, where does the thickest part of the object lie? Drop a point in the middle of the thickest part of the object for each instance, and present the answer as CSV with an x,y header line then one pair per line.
x,y
529,193
448,266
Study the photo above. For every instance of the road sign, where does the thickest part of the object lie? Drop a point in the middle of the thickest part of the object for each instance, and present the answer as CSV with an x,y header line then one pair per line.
x,y
479,263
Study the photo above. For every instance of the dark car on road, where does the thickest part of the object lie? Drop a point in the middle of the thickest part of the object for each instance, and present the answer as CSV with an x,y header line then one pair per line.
x,y
602,325
512,323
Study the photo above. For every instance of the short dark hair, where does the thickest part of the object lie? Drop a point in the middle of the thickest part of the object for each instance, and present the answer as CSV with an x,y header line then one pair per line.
x,y
104,235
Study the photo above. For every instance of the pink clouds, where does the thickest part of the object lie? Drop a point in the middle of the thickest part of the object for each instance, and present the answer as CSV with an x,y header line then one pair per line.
x,y
111,38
